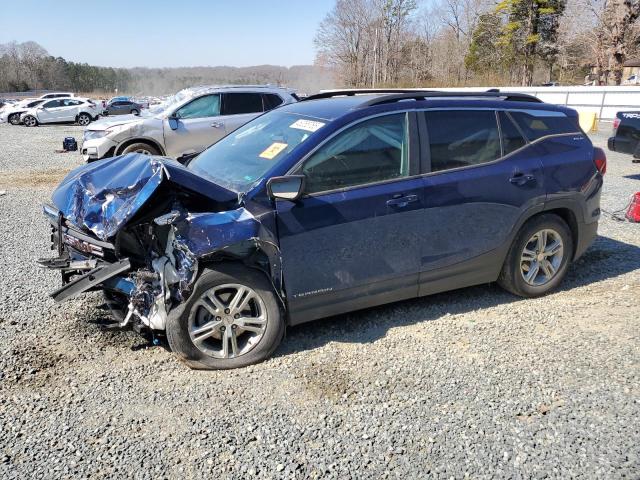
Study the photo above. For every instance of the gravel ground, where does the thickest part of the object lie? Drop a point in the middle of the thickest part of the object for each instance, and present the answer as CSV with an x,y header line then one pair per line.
x,y
474,383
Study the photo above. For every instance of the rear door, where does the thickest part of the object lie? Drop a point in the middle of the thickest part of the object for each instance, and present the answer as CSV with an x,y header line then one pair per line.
x,y
69,110
354,239
482,178
240,107
199,125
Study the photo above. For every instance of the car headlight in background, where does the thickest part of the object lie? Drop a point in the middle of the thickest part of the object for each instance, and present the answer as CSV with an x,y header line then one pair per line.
x,y
93,134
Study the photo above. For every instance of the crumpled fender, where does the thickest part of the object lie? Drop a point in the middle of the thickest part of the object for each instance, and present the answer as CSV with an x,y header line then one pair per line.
x,y
240,233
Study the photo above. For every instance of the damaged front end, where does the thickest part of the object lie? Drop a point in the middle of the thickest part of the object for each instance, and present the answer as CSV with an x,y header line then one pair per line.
x,y
142,228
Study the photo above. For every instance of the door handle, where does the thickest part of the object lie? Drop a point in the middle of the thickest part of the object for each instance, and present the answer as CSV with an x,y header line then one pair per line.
x,y
521,179
402,202
217,125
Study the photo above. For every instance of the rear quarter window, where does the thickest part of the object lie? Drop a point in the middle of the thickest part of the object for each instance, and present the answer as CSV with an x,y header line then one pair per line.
x,y
536,124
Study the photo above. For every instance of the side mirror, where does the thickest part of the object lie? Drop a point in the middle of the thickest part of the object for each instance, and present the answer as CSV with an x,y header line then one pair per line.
x,y
173,122
289,188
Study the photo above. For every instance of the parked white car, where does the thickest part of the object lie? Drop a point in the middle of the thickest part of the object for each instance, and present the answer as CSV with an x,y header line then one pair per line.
x,y
186,123
62,110
11,113
632,80
57,95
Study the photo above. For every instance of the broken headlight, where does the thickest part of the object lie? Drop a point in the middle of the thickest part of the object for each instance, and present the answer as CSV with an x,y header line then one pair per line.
x,y
93,134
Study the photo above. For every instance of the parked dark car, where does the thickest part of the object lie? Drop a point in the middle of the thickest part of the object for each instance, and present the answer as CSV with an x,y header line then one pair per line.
x,y
626,134
122,107
340,202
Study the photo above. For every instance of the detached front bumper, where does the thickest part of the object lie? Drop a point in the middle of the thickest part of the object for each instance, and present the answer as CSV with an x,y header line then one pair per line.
x,y
97,148
85,263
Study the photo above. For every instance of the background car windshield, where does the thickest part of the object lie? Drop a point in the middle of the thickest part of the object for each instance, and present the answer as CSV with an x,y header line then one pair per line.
x,y
243,157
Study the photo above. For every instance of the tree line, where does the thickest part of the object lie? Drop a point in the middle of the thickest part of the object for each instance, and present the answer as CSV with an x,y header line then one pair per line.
x,y
28,66
374,43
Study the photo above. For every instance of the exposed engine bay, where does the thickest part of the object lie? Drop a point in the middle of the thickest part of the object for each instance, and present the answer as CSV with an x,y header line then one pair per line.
x,y
141,228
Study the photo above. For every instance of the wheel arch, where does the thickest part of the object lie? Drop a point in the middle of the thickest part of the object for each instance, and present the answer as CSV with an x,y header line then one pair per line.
x,y
131,141
565,211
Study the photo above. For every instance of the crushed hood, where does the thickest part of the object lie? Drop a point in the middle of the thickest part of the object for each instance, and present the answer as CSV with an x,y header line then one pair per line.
x,y
103,196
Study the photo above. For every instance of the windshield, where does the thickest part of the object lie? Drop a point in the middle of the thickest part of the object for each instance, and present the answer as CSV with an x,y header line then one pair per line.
x,y
168,103
240,159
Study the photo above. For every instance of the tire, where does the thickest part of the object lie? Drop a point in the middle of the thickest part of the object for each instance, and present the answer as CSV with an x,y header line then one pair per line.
x,y
84,119
134,112
527,273
14,119
30,121
208,353
140,147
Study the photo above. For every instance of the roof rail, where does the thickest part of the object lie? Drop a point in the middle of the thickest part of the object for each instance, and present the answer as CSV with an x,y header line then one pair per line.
x,y
362,91
396,95
507,96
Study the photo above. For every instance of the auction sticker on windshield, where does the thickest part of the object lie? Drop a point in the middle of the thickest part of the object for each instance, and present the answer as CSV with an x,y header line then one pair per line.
x,y
307,125
273,150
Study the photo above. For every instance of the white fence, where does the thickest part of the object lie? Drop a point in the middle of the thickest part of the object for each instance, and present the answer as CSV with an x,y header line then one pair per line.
x,y
604,101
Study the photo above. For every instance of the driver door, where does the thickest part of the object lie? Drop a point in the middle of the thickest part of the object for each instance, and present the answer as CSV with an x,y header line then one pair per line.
x,y
50,111
198,125
353,239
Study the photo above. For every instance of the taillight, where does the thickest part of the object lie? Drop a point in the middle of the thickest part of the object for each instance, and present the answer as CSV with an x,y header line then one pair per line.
x,y
616,123
600,160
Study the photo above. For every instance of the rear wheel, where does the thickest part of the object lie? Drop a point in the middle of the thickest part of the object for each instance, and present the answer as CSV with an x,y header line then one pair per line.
x,y
14,119
539,257
231,320
135,112
30,121
143,148
84,119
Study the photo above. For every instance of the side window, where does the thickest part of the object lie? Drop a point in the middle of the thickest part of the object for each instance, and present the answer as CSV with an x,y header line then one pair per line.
x,y
238,103
512,139
52,104
371,151
202,107
539,123
271,101
70,103
460,138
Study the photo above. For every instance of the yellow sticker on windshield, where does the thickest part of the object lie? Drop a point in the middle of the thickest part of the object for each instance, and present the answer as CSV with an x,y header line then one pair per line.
x,y
273,150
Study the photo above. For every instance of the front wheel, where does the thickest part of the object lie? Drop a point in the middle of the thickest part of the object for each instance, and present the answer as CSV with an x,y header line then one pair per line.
x,y
231,320
84,119
14,119
143,148
30,121
539,257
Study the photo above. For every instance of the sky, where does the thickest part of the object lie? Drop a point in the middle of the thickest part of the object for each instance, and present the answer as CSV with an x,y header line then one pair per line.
x,y
163,33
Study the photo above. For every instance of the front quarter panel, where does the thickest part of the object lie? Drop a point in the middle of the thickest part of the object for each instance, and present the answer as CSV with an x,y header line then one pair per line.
x,y
148,129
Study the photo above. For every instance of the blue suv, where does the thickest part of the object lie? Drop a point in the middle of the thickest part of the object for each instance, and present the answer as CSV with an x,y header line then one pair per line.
x,y
344,201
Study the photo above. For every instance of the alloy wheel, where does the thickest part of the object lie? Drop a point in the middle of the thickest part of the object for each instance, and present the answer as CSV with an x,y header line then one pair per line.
x,y
30,121
541,257
84,120
227,321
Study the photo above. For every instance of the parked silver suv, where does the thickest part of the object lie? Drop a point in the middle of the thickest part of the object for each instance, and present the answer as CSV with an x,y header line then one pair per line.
x,y
186,123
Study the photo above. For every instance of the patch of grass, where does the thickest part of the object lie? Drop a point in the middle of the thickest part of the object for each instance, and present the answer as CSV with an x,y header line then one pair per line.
x,y
37,178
